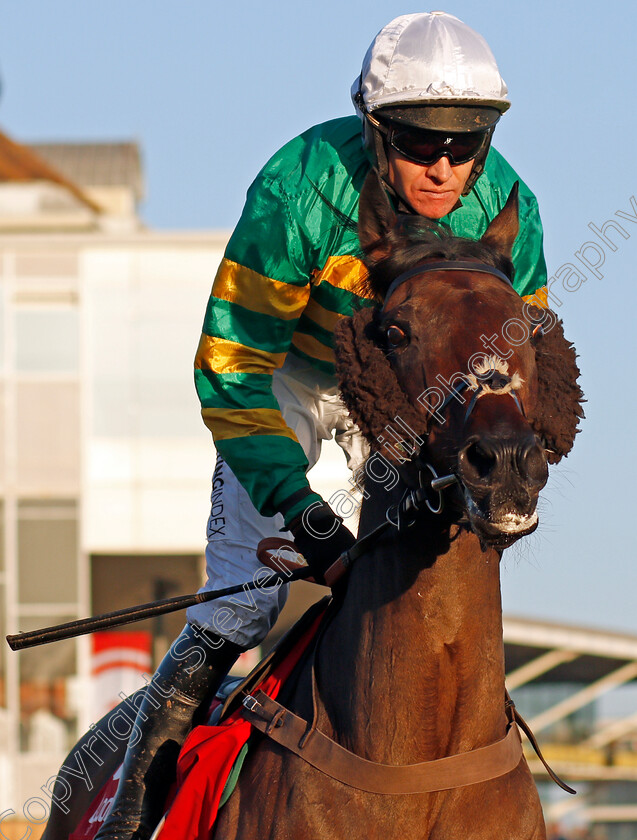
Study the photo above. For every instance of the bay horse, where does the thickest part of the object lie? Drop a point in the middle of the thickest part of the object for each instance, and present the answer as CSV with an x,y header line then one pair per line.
x,y
411,666
451,374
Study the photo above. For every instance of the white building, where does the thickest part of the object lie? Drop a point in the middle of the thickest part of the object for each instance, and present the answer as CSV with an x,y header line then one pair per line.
x,y
104,461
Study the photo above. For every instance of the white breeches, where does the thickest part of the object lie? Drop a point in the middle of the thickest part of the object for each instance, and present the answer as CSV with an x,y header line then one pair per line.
x,y
235,527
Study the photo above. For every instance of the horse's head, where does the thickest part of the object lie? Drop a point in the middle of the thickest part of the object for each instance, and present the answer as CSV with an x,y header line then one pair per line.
x,y
454,357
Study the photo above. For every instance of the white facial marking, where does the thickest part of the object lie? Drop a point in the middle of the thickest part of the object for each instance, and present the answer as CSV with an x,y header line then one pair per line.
x,y
493,364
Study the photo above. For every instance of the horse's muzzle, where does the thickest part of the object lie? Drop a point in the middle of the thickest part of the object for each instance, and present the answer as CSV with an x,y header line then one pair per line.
x,y
502,477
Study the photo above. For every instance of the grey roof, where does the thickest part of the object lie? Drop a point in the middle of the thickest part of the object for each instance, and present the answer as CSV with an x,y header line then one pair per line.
x,y
95,164
596,652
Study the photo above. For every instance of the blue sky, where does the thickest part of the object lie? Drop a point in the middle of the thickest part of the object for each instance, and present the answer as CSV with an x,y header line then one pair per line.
x,y
210,91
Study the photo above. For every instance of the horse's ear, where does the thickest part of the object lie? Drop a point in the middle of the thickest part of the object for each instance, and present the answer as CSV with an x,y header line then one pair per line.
x,y
558,409
501,233
376,217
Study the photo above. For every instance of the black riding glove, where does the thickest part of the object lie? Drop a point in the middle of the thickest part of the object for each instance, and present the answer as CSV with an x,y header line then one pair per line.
x,y
321,538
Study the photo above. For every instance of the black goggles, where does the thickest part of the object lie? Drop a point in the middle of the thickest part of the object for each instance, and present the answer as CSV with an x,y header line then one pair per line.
x,y
425,146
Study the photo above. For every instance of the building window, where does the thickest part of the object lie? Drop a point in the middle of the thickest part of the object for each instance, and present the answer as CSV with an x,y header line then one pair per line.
x,y
47,552
47,339
48,437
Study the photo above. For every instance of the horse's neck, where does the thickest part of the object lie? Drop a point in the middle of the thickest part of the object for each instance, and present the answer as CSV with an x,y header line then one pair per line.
x,y
412,667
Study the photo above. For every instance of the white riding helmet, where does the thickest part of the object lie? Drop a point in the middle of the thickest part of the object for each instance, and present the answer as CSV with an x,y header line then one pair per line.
x,y
431,71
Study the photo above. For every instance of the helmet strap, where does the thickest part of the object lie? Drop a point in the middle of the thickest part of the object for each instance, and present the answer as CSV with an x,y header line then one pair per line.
x,y
478,164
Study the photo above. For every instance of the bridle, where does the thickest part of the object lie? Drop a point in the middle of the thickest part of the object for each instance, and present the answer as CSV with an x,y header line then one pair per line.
x,y
305,740
445,265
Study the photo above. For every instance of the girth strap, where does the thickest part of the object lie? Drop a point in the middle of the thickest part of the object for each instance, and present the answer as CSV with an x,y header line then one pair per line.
x,y
296,735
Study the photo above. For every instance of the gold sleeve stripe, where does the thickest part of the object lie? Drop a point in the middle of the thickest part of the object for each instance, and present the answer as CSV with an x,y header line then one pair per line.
x,y
345,272
222,356
258,293
320,315
539,298
312,347
243,422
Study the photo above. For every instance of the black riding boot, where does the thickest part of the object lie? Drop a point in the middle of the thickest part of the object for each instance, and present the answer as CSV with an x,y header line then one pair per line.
x,y
185,681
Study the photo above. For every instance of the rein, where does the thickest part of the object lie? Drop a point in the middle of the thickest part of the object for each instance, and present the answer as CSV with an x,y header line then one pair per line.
x,y
304,739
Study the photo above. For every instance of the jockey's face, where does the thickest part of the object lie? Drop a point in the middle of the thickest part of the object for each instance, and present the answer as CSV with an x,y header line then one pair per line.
x,y
431,190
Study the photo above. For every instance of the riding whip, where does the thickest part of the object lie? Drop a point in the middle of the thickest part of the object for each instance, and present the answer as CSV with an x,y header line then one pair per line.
x,y
398,516
106,621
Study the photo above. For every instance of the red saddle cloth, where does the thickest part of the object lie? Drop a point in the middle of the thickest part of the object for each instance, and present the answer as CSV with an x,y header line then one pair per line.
x,y
205,762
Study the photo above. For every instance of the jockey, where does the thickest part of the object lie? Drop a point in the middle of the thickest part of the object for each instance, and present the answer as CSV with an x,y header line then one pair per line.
x,y
428,99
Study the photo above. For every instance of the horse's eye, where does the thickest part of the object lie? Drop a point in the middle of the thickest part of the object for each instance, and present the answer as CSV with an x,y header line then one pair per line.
x,y
396,337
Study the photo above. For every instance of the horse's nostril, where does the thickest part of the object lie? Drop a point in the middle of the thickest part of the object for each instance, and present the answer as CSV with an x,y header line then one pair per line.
x,y
532,464
479,459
